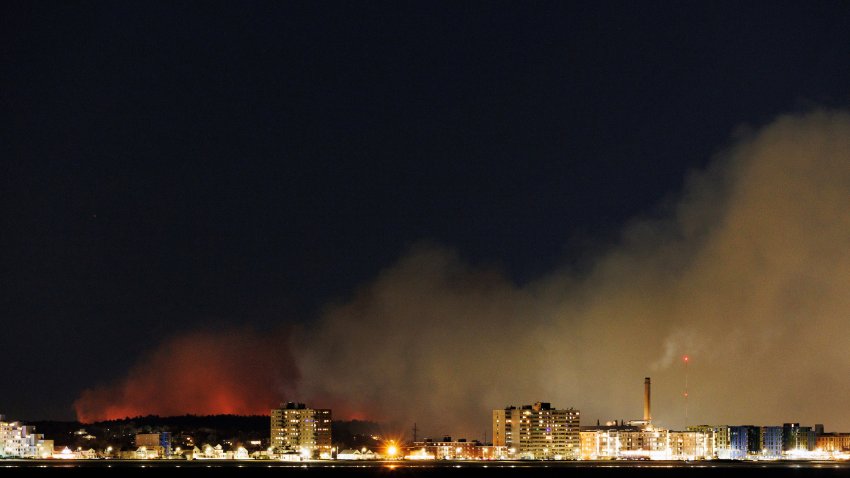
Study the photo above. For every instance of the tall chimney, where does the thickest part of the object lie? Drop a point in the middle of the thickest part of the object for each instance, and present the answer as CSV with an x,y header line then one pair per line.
x,y
647,416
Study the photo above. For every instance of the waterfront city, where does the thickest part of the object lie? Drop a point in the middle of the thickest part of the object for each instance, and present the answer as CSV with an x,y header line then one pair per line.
x,y
535,432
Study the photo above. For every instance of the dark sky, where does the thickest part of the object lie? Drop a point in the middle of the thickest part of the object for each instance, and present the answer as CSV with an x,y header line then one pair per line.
x,y
167,166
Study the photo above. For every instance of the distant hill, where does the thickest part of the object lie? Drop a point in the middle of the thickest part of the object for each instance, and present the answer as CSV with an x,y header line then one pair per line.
x,y
191,430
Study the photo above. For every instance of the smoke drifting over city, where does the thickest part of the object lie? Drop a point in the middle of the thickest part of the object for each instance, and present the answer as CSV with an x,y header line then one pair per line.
x,y
748,273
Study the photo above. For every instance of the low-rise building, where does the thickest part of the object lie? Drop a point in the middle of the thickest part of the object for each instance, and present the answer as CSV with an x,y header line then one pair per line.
x,y
65,453
210,452
833,442
363,454
461,449
690,445
603,442
645,442
156,445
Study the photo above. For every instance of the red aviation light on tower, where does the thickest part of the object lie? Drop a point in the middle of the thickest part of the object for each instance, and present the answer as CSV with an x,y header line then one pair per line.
x,y
685,358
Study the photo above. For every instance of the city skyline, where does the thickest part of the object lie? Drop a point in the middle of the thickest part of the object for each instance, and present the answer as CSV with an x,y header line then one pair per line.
x,y
536,432
421,213
295,412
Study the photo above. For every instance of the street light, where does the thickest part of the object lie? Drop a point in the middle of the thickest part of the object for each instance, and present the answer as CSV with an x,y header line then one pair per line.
x,y
392,450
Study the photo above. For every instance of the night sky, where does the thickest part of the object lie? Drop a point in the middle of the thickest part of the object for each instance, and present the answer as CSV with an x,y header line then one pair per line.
x,y
174,167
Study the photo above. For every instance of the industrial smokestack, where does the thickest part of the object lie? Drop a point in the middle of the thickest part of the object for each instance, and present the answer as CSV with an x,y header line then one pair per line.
x,y
647,416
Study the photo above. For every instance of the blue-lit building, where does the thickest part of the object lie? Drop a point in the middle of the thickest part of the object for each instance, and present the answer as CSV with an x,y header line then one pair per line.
x,y
771,442
738,443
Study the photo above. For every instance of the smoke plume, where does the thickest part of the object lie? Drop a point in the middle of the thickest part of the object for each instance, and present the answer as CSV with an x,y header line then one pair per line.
x,y
748,273
205,373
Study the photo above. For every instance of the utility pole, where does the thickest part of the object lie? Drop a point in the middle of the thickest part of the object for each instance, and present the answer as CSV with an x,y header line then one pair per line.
x,y
414,432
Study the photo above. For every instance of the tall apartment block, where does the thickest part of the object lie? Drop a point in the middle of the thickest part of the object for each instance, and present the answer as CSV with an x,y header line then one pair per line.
x,y
537,431
305,430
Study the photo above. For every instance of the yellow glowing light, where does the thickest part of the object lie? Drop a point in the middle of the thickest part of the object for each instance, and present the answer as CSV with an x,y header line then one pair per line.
x,y
392,450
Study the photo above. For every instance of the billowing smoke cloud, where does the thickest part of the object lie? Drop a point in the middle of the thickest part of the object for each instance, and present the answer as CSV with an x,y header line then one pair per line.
x,y
749,274
235,372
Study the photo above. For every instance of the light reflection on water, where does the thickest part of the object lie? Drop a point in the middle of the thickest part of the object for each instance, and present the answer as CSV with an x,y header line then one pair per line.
x,y
437,465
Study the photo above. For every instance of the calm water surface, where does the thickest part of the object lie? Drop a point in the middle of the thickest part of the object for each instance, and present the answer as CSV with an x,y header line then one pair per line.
x,y
156,468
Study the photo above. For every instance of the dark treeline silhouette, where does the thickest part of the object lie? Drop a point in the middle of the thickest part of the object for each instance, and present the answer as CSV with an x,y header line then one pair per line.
x,y
192,430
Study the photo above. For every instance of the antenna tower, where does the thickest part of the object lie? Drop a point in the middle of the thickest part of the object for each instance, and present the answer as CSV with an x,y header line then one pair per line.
x,y
686,359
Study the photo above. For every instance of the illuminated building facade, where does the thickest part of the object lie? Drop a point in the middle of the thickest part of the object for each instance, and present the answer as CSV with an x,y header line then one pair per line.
x,y
461,449
538,431
771,442
352,454
305,430
619,442
710,433
797,438
20,441
833,442
746,441
155,444
722,439
649,443
690,445
603,442
738,443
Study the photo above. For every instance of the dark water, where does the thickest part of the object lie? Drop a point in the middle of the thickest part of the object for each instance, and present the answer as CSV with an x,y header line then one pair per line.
x,y
160,469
